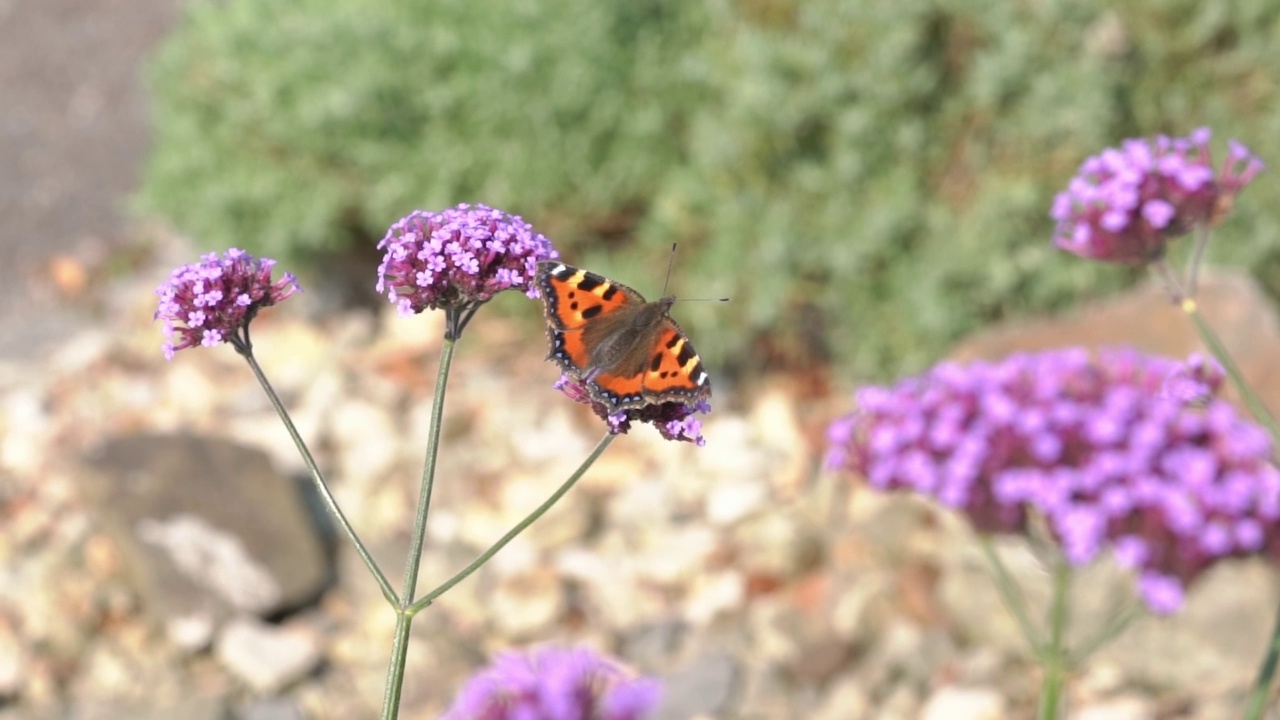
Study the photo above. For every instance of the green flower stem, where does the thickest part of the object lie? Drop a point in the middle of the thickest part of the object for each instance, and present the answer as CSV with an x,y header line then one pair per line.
x,y
1262,684
1197,256
428,475
1053,660
1011,594
404,619
1219,351
321,486
1118,621
1267,671
513,532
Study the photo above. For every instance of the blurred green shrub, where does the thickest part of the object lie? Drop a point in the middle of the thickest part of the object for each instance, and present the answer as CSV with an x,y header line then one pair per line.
x,y
292,127
867,180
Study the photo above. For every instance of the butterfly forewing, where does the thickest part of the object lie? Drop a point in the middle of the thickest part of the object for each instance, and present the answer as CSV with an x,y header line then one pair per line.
x,y
574,297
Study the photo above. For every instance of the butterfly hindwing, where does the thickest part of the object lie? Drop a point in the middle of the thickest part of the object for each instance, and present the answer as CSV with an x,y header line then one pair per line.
x,y
671,372
675,371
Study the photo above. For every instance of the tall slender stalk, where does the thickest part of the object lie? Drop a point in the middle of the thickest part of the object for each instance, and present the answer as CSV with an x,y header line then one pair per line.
x,y
1054,659
404,619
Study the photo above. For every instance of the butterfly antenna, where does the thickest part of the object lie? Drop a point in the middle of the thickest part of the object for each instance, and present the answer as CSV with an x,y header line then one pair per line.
x,y
670,263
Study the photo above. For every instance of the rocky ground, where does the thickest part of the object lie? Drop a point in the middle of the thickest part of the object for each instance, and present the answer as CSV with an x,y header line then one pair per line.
x,y
160,555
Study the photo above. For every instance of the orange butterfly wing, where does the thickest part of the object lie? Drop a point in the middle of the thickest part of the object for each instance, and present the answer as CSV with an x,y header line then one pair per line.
x,y
572,297
674,374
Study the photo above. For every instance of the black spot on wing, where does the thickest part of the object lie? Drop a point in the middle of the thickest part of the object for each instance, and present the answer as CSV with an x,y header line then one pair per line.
x,y
589,283
592,311
609,292
686,354
656,363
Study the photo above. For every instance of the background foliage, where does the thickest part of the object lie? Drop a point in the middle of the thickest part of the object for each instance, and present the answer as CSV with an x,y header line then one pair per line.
x,y
867,180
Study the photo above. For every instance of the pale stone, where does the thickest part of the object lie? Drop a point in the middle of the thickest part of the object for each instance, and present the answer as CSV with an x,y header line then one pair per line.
x,y
730,502
12,662
368,438
1120,708
848,699
291,352
191,633
646,502
265,657
612,588
713,595
964,703
522,607
674,556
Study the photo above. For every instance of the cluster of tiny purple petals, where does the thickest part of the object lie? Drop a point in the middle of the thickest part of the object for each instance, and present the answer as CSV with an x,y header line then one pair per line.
x,y
208,302
674,420
1194,382
1126,203
553,683
462,256
1094,445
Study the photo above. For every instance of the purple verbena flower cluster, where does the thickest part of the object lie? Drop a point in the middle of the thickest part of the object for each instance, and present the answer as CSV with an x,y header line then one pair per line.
x,y
459,257
553,683
1126,203
209,302
674,420
1094,445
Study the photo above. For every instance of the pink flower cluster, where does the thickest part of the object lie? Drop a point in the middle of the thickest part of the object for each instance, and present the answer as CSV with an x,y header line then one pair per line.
x,y
1126,203
212,301
1098,446
459,257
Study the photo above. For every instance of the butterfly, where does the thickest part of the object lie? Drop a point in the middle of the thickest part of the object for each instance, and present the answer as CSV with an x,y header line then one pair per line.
x,y
628,352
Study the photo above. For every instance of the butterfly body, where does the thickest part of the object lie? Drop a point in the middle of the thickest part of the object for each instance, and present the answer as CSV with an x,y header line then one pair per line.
x,y
626,350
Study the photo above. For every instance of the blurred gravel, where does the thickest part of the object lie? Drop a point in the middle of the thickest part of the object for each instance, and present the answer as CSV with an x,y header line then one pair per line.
x,y
754,585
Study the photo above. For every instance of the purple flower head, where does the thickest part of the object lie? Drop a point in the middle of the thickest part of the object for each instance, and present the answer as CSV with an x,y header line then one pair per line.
x,y
1093,444
674,420
1126,203
214,300
458,258
552,683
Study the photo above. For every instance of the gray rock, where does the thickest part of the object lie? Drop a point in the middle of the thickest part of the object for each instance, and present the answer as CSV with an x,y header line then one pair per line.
x,y
271,709
654,643
1219,637
706,685
205,525
1242,315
